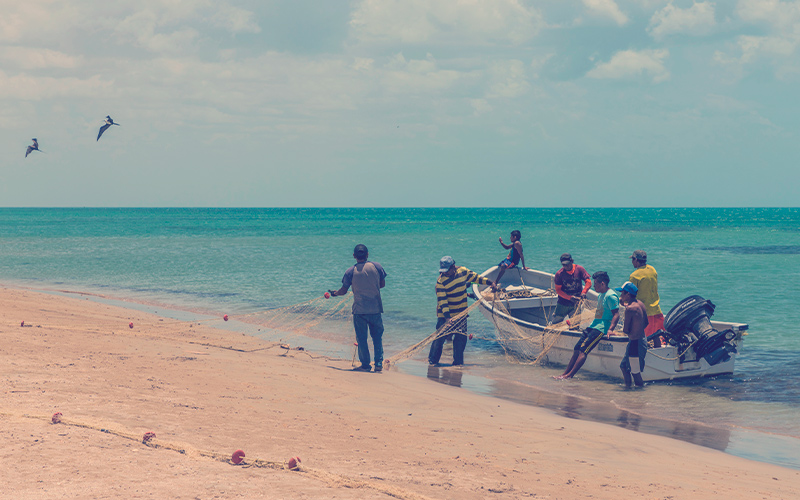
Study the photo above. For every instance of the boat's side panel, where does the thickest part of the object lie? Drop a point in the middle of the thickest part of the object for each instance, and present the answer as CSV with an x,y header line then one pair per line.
x,y
660,364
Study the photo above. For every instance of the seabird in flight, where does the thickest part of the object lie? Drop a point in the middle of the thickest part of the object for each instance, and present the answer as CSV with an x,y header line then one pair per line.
x,y
34,147
108,123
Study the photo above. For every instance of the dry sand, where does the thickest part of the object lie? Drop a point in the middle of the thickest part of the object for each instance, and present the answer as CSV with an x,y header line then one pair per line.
x,y
359,435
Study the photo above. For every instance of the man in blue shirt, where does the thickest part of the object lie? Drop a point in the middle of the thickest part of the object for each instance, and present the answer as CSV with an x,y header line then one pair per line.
x,y
605,320
367,279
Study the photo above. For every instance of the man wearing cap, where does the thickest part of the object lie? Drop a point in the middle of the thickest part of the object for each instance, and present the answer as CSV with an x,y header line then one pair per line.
x,y
635,323
645,278
451,301
572,282
605,320
367,279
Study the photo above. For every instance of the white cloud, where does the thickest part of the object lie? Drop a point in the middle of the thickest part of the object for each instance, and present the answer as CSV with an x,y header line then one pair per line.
x,y
697,20
778,46
32,58
416,75
156,25
24,87
508,79
630,64
481,106
754,46
471,22
37,21
782,16
141,28
235,19
607,9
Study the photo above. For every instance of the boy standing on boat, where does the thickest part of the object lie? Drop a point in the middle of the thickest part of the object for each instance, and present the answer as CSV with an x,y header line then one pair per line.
x,y
451,301
572,282
645,278
514,256
634,327
367,279
605,320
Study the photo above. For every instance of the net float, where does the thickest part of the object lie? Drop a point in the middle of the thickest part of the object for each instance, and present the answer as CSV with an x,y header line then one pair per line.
x,y
22,324
293,463
237,457
327,295
56,417
225,317
130,325
148,436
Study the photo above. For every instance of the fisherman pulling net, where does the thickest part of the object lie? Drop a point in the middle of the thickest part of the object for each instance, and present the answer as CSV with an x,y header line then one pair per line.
x,y
519,345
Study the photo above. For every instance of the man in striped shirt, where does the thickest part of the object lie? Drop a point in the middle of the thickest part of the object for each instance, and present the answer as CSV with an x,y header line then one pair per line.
x,y
451,300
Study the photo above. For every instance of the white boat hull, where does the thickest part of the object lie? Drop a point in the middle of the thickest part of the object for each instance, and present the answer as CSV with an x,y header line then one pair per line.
x,y
528,314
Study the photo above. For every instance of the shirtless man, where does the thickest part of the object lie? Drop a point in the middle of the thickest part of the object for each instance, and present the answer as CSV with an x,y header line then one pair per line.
x,y
635,323
514,256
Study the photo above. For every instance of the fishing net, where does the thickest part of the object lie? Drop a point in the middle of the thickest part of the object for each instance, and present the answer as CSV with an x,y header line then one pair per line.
x,y
520,345
303,317
529,346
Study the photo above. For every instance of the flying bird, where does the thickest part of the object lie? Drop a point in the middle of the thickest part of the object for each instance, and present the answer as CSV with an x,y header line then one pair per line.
x,y
109,121
34,147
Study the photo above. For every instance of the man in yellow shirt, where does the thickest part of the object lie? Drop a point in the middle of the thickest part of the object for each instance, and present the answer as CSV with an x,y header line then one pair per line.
x,y
645,278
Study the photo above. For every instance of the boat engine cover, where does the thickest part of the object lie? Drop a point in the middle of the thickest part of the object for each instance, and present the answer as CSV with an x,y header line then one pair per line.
x,y
690,314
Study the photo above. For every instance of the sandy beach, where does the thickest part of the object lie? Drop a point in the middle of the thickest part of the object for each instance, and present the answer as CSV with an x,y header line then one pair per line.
x,y
206,392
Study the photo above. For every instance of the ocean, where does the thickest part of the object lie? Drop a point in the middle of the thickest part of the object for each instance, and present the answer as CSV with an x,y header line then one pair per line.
x,y
241,261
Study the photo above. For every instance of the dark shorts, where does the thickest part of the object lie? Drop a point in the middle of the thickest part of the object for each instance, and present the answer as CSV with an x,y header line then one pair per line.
x,y
508,263
635,349
589,339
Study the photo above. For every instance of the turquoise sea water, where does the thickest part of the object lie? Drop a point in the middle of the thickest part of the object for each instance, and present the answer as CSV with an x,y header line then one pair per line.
x,y
239,261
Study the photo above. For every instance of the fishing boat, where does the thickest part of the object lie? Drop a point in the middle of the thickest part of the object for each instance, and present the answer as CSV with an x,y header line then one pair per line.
x,y
696,346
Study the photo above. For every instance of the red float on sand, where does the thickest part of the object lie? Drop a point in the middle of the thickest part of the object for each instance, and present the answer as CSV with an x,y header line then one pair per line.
x,y
237,457
130,325
22,324
293,463
148,436
56,417
225,317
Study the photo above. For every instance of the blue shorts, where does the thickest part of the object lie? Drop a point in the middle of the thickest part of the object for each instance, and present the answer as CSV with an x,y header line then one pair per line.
x,y
588,340
508,263
634,349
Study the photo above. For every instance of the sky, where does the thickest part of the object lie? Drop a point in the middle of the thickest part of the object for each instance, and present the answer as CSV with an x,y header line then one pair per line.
x,y
400,103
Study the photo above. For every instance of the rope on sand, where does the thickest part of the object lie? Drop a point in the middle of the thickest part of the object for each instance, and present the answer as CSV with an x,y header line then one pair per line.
x,y
237,459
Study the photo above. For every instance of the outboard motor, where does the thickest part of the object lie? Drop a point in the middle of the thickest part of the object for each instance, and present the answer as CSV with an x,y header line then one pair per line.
x,y
689,322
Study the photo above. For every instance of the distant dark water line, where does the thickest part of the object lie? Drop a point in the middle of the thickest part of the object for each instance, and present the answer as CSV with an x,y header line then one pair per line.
x,y
759,250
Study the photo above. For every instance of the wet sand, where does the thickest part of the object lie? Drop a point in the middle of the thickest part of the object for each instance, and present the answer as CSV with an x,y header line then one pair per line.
x,y
206,392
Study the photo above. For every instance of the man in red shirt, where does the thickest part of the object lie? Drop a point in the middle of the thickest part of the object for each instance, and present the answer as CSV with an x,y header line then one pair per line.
x,y
572,282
